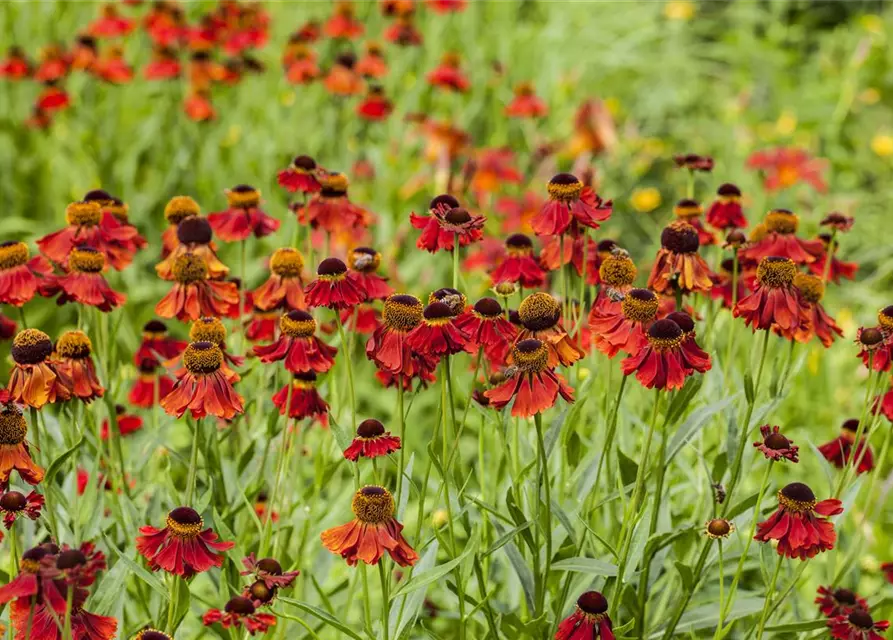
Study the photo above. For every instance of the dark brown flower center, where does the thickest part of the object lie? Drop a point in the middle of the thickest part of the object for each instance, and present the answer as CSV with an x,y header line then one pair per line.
x,y
851,425
240,605
261,592
869,337
443,201
98,195
683,320
640,305
70,559
457,216
269,565
437,313
531,355
565,187
152,634
31,346
861,618
297,324
13,501
680,237
243,196
184,522
719,527
845,596
194,230
518,241
777,442
488,308
370,428
664,334
331,268
306,163
728,190
688,208
799,492
155,327
592,602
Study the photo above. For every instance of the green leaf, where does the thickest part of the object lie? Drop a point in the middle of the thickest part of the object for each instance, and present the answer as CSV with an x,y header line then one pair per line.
x,y
342,437
628,468
56,464
181,604
111,590
586,565
318,613
411,605
698,419
748,388
149,578
792,627
707,616
686,574
425,578
523,573
505,539
742,506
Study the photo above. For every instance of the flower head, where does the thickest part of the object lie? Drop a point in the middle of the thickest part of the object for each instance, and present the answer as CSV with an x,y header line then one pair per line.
x,y
620,326
182,547
531,381
240,611
243,217
589,621
335,287
297,345
718,528
438,334
488,329
838,221
203,388
364,262
285,284
446,222
678,264
20,274
15,455
371,441
775,446
35,380
780,239
519,264
268,571
16,505
725,212
694,162
387,347
835,602
84,282
840,450
300,399
785,167
857,625
301,175
800,524
526,104
775,301
73,358
373,532
570,201
660,362
540,316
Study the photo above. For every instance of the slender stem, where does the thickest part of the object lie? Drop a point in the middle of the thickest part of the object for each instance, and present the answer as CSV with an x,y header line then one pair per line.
x,y
349,368
829,256
547,496
730,346
69,600
690,186
367,606
193,462
402,422
739,570
609,437
633,506
385,604
242,266
563,274
765,615
870,388
745,426
721,584
678,294
455,261
22,317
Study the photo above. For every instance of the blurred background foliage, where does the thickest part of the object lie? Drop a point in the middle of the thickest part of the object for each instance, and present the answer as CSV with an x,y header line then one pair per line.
x,y
717,78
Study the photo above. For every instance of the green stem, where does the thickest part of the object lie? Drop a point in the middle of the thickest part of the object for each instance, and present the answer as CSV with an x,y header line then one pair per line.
x,y
829,256
609,438
402,423
22,317
739,570
745,426
765,615
191,478
385,603
547,496
870,389
367,606
69,600
730,346
349,368
563,274
456,261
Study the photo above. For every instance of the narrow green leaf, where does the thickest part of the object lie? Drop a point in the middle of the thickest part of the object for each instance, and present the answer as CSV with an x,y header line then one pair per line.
x,y
425,578
56,464
793,627
586,565
748,387
149,578
742,506
685,574
505,539
318,613
342,437
628,468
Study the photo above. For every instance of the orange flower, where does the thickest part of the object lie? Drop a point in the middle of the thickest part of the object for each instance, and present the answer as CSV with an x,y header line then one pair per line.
x,y
34,380
88,226
342,79
73,351
785,167
448,74
84,283
343,24
372,533
678,263
243,217
203,388
540,316
285,283
15,454
193,236
193,295
19,275
531,381
176,210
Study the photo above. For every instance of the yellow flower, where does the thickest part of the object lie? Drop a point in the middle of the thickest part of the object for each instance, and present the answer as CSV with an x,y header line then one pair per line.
x,y
870,96
645,199
679,10
786,123
872,23
882,144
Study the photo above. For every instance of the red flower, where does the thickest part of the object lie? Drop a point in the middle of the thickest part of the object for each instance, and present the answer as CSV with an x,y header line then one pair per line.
x,y
364,262
53,65
446,222
203,388
16,505
127,423
35,380
841,450
838,221
284,287
816,322
149,386
775,302
533,383
261,325
780,240
387,347
330,209
491,170
84,283
7,328
487,328
835,602
373,532
448,74
660,362
243,217
15,454
722,284
364,319
569,201
785,167
589,621
447,6
857,625
88,227
268,571
677,263
403,33
301,175
620,326
874,345
775,446
297,345
198,106
20,275
726,212
690,211
113,68
517,213
15,66
164,64
694,162
519,265
305,399
335,287
193,294
342,79
373,63
438,334
240,612
343,24
375,106
839,269
110,24
74,361
371,441
182,548
800,533
540,316
156,346
526,104
693,357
